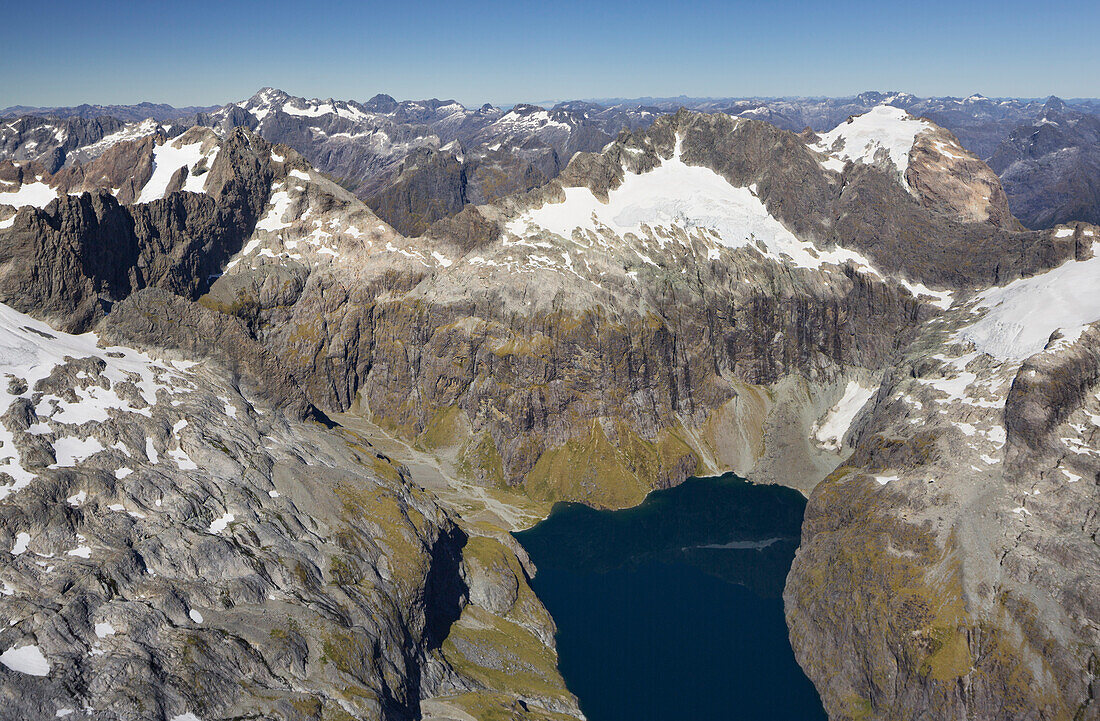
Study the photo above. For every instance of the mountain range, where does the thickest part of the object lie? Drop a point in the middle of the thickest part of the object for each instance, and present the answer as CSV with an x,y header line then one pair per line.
x,y
415,162
282,375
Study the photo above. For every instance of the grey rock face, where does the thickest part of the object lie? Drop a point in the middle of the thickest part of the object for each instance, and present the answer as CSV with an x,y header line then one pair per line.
x,y
207,540
179,542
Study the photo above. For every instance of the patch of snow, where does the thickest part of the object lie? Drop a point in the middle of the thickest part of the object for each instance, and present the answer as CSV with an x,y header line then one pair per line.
x,y
105,629
883,480
133,131
219,524
195,616
689,196
22,540
26,659
70,451
830,433
167,159
860,138
182,460
151,451
80,552
37,194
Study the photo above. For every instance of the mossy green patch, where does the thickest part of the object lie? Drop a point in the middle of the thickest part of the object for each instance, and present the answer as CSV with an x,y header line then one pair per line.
x,y
502,656
448,428
595,471
490,706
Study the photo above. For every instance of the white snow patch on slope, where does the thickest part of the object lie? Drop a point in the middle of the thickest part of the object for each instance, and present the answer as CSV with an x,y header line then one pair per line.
x,y
196,183
70,451
688,196
280,203
37,194
1024,313
884,126
22,540
132,131
26,659
167,159
219,524
830,432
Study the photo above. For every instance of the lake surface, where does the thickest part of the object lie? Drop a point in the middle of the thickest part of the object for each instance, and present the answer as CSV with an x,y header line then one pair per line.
x,y
672,610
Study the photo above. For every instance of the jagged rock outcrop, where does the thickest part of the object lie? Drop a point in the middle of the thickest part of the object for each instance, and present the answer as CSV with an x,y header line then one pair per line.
x,y
69,261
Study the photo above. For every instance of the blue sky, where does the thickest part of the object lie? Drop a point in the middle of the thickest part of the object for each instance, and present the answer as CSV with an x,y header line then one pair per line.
x,y
205,53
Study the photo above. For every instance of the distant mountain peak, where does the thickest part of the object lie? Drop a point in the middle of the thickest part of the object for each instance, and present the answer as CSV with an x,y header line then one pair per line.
x,y
1054,104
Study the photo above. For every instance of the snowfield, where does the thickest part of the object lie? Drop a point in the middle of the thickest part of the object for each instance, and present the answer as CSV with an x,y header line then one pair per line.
x,y
37,194
834,426
690,197
26,659
169,158
1023,314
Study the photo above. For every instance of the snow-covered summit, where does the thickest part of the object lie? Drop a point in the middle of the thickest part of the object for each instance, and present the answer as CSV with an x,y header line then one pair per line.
x,y
863,137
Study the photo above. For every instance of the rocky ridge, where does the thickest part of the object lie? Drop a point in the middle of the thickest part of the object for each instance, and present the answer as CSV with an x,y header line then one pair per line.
x,y
415,162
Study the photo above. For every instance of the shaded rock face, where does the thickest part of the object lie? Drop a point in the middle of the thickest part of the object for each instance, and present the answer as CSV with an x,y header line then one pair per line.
x,y
951,562
69,261
428,186
49,141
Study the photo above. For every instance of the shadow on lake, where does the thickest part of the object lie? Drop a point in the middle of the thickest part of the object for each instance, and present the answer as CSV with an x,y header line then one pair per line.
x,y
672,609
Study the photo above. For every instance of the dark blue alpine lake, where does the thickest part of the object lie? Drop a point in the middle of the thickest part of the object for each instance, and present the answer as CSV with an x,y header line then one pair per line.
x,y
672,610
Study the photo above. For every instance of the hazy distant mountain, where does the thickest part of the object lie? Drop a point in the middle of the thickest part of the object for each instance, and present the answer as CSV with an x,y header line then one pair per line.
x,y
418,161
1050,168
127,113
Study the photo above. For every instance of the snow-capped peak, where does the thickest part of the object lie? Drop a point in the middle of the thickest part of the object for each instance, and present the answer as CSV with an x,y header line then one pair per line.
x,y
861,137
